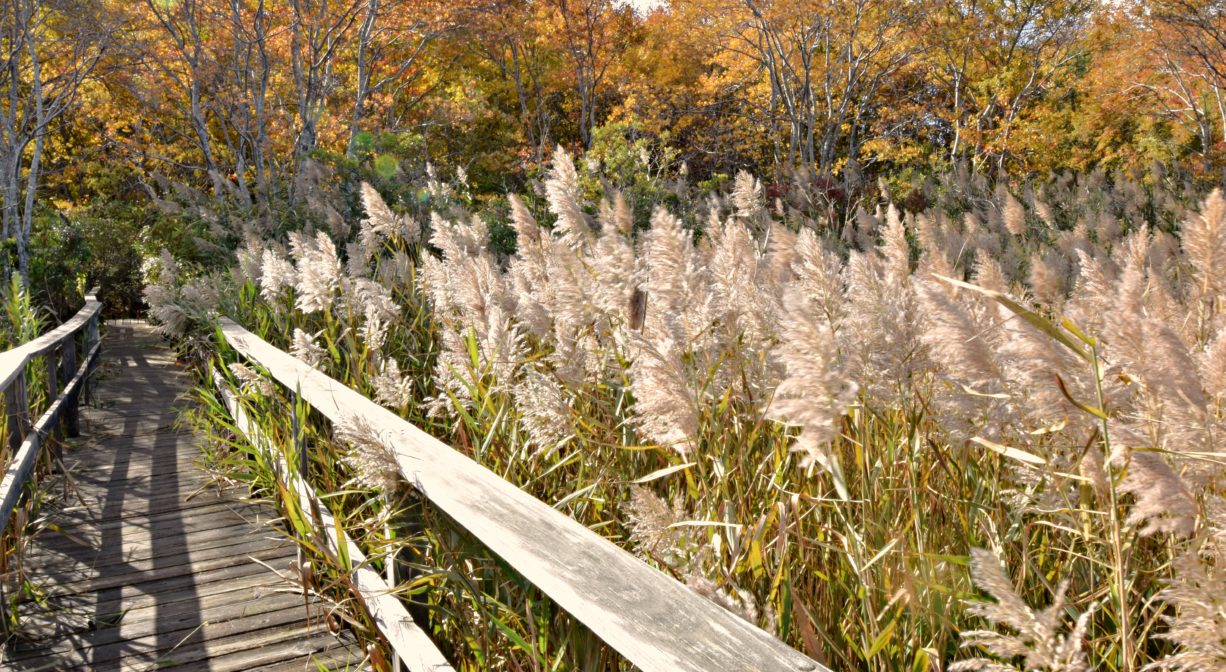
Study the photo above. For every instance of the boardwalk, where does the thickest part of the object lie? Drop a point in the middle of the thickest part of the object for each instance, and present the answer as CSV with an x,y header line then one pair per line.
x,y
144,565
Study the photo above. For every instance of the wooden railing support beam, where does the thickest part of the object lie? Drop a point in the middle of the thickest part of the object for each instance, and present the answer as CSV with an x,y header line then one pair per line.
x,y
68,366
92,338
17,410
300,454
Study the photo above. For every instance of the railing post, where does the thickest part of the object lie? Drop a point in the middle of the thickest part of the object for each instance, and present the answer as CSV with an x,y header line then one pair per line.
x,y
403,542
91,339
16,407
412,527
392,571
4,603
52,362
299,449
68,368
53,374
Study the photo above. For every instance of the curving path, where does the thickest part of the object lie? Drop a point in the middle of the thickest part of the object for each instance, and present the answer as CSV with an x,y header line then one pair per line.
x,y
142,564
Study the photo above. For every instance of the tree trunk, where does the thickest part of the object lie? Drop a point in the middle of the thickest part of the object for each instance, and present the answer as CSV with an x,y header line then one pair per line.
x,y
364,73
27,217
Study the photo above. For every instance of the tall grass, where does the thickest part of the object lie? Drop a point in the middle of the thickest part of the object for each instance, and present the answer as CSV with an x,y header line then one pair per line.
x,y
979,436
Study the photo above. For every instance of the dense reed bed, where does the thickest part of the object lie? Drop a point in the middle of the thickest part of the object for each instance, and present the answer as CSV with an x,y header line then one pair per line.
x,y
983,434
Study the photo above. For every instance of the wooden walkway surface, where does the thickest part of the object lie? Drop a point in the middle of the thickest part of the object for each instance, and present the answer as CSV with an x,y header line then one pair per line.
x,y
148,566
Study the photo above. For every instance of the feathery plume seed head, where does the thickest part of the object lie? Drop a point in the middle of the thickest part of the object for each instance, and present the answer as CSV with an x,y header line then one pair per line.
x,y
358,255
371,298
1036,635
990,577
526,228
250,381
781,244
562,192
814,394
1047,278
276,274
651,522
817,272
171,318
545,410
381,223
1163,502
623,214
1213,367
319,273
1204,243
746,195
168,268
953,339
896,250
380,220
1014,215
372,463
1045,212
665,408
1197,621
674,281
306,349
250,262
373,330
392,389
989,274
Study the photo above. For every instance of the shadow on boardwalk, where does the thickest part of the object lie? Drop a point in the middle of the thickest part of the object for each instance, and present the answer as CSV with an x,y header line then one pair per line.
x,y
147,566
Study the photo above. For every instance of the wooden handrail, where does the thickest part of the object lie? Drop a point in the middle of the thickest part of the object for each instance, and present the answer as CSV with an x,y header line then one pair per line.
x,y
655,622
12,361
65,379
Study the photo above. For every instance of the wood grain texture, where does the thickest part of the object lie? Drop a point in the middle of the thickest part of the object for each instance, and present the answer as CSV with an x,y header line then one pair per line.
x,y
146,565
657,623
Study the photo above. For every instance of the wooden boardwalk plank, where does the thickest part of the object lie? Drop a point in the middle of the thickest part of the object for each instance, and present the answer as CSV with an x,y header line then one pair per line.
x,y
147,565
336,658
79,631
244,577
289,657
173,647
122,576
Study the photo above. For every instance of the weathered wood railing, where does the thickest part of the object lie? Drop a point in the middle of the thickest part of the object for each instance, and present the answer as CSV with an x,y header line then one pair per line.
x,y
655,622
66,374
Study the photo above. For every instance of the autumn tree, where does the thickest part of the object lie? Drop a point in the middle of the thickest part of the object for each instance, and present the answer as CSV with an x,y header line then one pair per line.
x,y
391,44
175,47
50,49
242,104
993,58
593,33
511,39
318,31
1187,39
